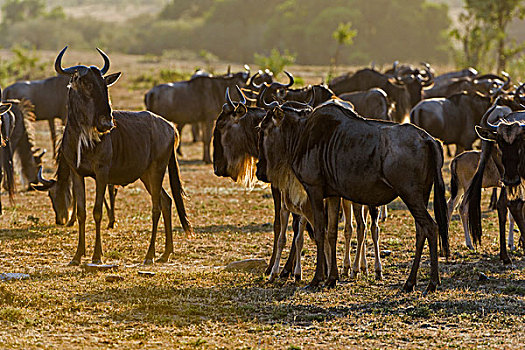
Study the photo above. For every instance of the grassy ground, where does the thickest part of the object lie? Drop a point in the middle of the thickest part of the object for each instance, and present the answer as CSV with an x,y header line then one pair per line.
x,y
191,302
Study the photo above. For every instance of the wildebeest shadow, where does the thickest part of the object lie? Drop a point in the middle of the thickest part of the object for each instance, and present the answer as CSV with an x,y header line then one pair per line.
x,y
194,305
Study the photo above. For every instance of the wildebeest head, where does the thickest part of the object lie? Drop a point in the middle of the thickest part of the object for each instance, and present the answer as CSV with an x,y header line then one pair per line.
x,y
59,191
235,140
279,121
88,94
509,134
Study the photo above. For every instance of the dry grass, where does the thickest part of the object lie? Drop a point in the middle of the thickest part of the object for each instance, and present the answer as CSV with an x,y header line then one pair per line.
x,y
191,302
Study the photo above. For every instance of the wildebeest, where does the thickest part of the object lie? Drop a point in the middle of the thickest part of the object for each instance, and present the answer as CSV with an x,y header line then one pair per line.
x,y
116,147
49,96
335,153
507,134
404,91
6,158
462,170
198,100
470,83
452,119
234,155
373,103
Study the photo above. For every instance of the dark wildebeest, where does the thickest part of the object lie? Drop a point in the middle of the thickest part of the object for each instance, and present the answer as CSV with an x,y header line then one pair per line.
x,y
482,83
117,147
234,155
508,135
462,170
335,153
404,91
370,104
198,100
452,119
6,157
49,96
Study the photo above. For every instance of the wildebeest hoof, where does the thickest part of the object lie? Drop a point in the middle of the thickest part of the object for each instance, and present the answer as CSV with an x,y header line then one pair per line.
x,y
431,288
354,275
272,277
512,248
331,283
70,223
408,287
163,258
298,278
379,276
284,274
111,225
74,262
470,247
148,261
97,261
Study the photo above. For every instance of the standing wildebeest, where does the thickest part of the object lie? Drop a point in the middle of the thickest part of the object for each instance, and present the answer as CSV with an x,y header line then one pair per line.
x,y
508,135
198,100
470,83
462,170
6,158
335,153
116,147
452,119
404,91
49,96
370,104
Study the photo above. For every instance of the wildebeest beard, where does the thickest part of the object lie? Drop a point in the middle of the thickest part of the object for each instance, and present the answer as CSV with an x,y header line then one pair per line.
x,y
275,156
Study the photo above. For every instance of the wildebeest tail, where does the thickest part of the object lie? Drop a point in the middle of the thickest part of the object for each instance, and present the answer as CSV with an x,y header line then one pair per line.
x,y
473,193
440,204
178,193
453,180
7,166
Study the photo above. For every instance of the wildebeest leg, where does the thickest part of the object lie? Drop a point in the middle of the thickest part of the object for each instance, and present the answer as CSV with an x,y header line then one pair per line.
x,y
101,184
315,196
276,194
73,216
333,207
179,147
463,213
195,131
516,209
53,132
290,262
425,228
207,129
165,207
299,241
374,228
452,203
502,218
152,179
510,242
383,212
112,191
347,209
493,199
281,243
364,264
361,227
79,190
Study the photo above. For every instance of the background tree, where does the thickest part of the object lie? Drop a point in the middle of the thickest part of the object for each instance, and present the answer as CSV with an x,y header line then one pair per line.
x,y
344,36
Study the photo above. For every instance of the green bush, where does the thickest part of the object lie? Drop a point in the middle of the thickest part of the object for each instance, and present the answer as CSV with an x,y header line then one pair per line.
x,y
276,62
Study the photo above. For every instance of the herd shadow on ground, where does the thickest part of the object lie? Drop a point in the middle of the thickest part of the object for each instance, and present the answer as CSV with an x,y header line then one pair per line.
x,y
261,304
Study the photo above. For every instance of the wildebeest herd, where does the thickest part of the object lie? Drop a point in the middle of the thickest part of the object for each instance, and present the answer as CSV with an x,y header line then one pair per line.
x,y
349,147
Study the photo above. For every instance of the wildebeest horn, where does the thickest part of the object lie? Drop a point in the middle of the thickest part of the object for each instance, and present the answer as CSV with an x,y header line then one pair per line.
x,y
252,85
312,97
229,72
243,98
507,79
517,94
394,66
74,69
484,123
46,183
228,98
290,76
262,95
104,69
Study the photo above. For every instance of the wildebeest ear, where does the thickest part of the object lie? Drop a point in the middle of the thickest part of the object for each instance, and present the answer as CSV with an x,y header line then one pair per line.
x,y
4,107
112,78
485,134
240,110
278,116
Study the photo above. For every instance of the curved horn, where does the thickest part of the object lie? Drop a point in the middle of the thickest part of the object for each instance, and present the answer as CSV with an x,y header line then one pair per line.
x,y
104,69
243,98
262,95
484,123
47,183
290,76
312,97
58,63
228,98
506,76
229,72
252,85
